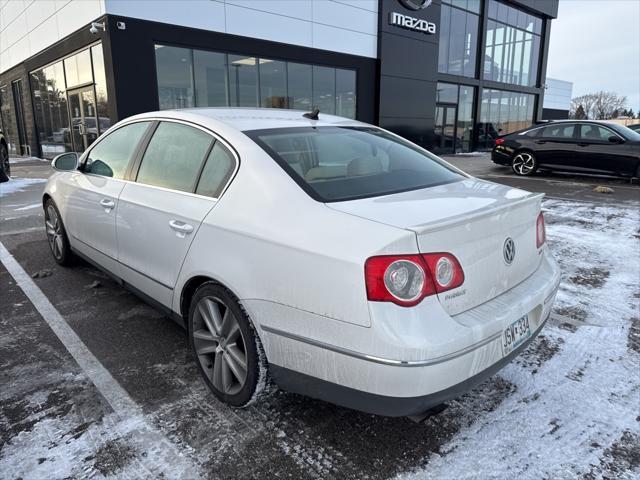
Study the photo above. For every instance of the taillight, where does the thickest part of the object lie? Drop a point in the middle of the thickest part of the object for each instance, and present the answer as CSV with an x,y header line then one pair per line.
x,y
541,234
499,141
406,279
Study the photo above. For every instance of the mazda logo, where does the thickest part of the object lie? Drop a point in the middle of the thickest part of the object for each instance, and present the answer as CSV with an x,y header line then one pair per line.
x,y
509,250
415,4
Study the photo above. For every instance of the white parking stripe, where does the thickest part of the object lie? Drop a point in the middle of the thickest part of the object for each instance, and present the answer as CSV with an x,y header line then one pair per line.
x,y
121,403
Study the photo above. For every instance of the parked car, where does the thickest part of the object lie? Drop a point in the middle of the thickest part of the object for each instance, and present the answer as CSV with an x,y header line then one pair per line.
x,y
334,257
635,127
572,146
5,166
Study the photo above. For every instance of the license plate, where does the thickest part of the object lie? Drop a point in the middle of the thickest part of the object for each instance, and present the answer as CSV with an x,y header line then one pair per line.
x,y
515,334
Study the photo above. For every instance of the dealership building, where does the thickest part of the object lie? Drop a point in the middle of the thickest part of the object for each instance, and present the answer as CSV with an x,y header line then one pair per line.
x,y
447,74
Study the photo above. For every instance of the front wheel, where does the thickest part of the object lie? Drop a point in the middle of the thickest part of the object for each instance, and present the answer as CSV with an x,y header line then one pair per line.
x,y
524,163
56,234
226,346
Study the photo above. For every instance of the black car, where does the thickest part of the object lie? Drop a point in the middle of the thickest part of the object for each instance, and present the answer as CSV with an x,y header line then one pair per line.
x,y
5,168
572,146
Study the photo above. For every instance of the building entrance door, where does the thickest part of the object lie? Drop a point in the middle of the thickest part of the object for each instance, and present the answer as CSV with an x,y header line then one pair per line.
x,y
16,87
445,128
83,120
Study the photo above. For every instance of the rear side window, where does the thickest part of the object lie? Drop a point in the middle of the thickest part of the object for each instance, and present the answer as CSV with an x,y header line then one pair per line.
x,y
216,172
174,157
564,132
111,156
595,132
345,163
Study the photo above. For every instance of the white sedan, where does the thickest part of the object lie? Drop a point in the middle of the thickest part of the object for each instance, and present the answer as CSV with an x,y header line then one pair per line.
x,y
330,256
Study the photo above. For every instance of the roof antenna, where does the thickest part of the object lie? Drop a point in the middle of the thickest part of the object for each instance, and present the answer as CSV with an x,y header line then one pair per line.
x,y
313,115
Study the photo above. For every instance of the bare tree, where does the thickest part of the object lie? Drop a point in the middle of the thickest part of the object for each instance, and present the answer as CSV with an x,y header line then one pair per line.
x,y
598,106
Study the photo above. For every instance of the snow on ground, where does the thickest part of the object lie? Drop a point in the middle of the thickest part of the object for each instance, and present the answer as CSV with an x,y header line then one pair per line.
x,y
13,160
578,413
18,185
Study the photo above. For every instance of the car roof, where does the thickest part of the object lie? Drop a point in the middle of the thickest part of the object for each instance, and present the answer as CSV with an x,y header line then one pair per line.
x,y
245,119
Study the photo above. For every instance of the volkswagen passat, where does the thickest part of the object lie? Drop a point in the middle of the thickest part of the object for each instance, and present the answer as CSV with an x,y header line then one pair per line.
x,y
328,255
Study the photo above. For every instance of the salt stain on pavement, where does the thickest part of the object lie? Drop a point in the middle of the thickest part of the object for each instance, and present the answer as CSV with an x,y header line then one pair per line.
x,y
577,413
19,185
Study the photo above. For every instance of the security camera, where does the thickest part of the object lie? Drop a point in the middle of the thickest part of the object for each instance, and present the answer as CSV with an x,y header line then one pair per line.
x,y
95,27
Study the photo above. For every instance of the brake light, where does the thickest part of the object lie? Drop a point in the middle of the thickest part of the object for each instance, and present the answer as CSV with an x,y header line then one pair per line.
x,y
407,279
541,233
499,141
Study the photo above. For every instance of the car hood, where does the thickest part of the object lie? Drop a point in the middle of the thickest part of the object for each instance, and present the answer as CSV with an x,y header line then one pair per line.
x,y
420,209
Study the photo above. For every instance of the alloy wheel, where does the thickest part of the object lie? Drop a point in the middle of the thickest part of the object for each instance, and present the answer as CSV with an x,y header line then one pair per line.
x,y
54,232
220,345
524,164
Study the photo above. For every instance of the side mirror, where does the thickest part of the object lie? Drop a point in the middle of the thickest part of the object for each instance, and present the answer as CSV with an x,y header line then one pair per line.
x,y
615,139
66,162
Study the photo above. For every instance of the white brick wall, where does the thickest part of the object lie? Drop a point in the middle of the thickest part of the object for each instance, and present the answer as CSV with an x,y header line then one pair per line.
x,y
29,26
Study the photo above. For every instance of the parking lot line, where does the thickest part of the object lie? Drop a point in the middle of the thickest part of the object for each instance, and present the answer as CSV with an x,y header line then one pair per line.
x,y
119,400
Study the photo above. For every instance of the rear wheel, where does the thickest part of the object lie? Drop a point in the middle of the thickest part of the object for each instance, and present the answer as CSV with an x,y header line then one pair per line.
x,y
57,235
226,346
524,163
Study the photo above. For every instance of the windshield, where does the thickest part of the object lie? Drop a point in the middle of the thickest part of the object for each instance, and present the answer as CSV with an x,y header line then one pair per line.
x,y
344,163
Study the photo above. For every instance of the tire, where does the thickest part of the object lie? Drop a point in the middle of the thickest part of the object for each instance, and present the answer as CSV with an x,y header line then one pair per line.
x,y
226,346
5,166
524,164
57,235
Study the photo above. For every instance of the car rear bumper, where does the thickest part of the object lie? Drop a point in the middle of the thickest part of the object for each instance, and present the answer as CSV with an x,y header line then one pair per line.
x,y
500,157
389,406
409,359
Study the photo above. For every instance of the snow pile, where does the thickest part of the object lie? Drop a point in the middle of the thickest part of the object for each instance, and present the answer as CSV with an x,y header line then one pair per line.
x,y
13,160
18,185
572,415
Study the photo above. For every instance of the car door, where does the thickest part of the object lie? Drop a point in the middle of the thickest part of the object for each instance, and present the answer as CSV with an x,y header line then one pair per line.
x,y
159,214
94,190
555,145
596,152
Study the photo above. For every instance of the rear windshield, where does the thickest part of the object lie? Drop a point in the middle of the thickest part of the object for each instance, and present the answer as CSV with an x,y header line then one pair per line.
x,y
345,163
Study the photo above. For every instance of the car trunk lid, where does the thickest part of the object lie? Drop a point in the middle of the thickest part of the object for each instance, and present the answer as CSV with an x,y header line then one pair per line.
x,y
471,219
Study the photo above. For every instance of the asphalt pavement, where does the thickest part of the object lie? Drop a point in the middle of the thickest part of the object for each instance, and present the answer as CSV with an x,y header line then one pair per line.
x,y
59,418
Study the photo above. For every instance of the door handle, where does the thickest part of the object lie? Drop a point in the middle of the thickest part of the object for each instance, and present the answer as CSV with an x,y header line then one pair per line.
x,y
107,204
540,142
181,227
583,144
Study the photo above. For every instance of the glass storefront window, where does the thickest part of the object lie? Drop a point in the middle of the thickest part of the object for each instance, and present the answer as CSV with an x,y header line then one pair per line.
x,y
324,89
458,40
300,83
243,81
210,69
454,118
175,77
77,80
9,124
78,69
100,80
51,110
503,112
346,93
273,84
512,48
195,77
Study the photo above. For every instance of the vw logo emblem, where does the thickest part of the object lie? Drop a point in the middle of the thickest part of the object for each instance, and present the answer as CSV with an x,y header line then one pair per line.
x,y
509,250
416,4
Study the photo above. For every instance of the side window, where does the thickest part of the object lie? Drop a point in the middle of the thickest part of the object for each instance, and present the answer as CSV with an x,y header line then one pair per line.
x,y
595,132
110,157
561,132
216,172
174,156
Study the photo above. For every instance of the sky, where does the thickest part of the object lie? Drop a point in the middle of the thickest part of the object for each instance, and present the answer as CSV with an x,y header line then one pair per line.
x,y
596,45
